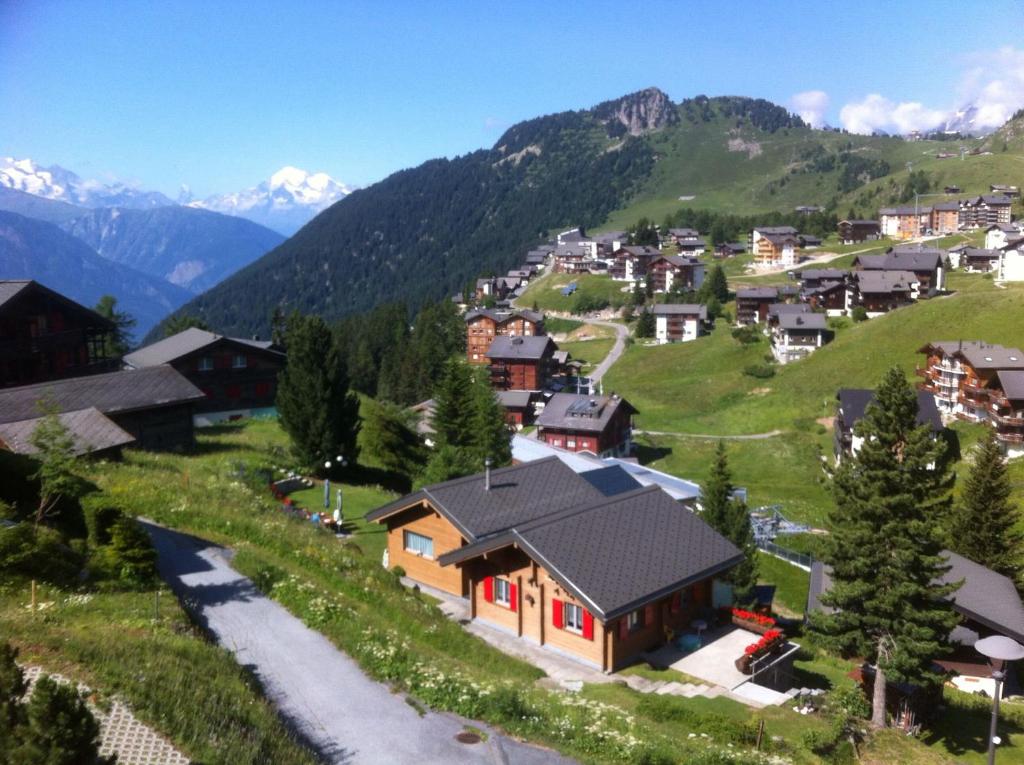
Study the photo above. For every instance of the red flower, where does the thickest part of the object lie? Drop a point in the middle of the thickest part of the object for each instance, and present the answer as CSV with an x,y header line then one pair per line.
x,y
750,648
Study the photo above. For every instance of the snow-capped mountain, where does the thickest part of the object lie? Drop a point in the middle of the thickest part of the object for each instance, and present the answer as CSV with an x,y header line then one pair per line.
x,y
290,199
962,121
55,182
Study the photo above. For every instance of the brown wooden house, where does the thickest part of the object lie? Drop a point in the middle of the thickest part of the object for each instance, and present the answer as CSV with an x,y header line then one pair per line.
x,y
485,324
521,363
670,272
963,375
46,336
237,376
602,425
545,554
752,304
853,231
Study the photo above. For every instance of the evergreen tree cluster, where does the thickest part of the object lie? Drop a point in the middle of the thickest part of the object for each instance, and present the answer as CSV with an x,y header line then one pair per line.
x,y
393,361
731,518
727,227
54,727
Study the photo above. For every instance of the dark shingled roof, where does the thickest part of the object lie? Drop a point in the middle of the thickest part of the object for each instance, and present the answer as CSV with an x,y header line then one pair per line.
x,y
1012,383
979,354
776,310
775,230
515,399
569,411
985,597
91,431
619,554
110,393
758,293
798,321
518,494
681,309
503,316
854,403
875,282
530,347
186,342
902,260
10,288
819,274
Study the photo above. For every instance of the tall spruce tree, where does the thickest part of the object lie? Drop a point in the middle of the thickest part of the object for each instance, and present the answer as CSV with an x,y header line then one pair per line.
x,y
716,285
984,524
388,438
885,548
316,408
730,518
491,435
117,342
646,325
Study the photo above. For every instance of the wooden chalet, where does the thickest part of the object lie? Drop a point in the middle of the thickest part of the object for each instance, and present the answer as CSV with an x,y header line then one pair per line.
x,y
854,231
47,336
879,292
632,261
518,406
853,403
521,362
529,545
796,335
928,266
602,425
485,324
151,407
1006,410
679,323
752,304
669,272
773,250
237,376
730,249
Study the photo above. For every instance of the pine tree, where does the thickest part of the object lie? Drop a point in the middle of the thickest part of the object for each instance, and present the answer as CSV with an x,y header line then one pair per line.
x,y
388,439
55,455
453,414
716,285
12,689
314,403
984,523
885,548
116,343
60,729
490,429
731,519
645,325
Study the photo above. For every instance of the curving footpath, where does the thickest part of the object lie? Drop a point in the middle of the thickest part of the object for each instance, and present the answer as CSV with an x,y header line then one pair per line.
x,y
320,691
621,333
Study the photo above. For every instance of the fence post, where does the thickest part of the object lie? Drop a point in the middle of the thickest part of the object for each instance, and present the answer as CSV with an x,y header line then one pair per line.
x,y
33,596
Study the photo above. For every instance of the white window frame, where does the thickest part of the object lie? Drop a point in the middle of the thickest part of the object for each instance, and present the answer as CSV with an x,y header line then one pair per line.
x,y
502,592
635,620
205,363
572,618
418,544
570,443
236,357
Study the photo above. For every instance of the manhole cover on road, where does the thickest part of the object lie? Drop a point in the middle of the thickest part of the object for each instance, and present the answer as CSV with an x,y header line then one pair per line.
x,y
467,738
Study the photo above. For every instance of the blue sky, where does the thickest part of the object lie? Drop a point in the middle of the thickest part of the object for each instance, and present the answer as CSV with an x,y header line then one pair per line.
x,y
221,94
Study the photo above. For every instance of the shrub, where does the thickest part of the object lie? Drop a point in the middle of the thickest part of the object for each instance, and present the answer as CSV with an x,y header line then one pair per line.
x,y
266,577
398,571
760,371
838,322
99,518
131,552
587,303
747,335
60,729
859,313
36,553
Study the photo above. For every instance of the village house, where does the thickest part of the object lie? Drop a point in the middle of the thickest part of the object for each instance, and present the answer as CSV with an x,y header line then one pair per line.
x,y
675,271
602,425
774,250
692,247
521,362
904,222
680,235
238,377
1013,192
485,324
832,297
962,375
46,336
979,261
1011,264
1006,410
752,304
679,323
984,211
1000,235
518,405
796,335
537,258
775,310
945,217
152,407
528,547
808,209
854,231
879,292
730,249
853,403
809,241
927,265
987,602
571,259
609,242
630,263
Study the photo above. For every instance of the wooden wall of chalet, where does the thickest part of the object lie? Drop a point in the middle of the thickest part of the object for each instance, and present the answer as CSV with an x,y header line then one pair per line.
x,y
426,521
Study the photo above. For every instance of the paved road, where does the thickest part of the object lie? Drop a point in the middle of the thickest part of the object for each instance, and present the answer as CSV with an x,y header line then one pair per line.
x,y
621,333
747,437
319,690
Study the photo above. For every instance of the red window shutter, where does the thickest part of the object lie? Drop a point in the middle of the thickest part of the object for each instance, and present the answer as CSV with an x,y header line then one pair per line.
x,y
648,616
623,628
588,625
489,589
513,599
677,602
556,612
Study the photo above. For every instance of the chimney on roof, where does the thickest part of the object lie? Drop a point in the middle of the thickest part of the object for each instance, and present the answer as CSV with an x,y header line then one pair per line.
x,y
256,337
487,473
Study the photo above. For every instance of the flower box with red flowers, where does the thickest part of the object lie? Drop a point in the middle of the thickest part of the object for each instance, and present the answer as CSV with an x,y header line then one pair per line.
x,y
768,643
754,622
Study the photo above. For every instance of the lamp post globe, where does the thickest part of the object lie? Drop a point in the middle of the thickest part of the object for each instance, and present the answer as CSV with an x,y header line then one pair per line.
x,y
1000,650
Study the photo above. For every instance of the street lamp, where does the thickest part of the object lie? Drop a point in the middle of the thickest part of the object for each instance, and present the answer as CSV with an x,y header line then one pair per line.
x,y
999,650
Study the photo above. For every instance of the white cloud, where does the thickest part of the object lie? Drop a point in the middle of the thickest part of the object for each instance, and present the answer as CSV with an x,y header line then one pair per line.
x,y
811,106
993,83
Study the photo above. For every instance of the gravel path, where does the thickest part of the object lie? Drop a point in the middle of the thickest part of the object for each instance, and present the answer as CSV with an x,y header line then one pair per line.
x,y
621,333
319,690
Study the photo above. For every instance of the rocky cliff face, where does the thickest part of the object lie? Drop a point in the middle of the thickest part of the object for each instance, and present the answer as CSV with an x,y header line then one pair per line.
x,y
638,113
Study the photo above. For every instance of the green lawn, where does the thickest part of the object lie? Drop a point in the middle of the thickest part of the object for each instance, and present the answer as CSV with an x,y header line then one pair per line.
x,y
790,582
357,501
546,294
589,352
